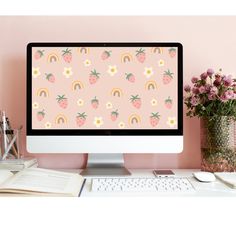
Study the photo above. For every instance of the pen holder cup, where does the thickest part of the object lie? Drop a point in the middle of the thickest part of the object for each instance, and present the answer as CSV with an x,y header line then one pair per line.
x,y
10,144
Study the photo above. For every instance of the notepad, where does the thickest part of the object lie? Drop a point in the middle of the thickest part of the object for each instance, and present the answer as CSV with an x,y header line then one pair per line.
x,y
229,178
38,181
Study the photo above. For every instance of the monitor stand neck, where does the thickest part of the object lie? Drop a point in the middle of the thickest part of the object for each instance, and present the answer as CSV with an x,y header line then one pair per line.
x,y
105,164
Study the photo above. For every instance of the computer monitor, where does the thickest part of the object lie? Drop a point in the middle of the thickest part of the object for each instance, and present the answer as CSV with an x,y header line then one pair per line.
x,y
104,99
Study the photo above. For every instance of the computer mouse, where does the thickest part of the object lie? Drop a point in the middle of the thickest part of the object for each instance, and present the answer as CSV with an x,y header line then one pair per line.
x,y
204,176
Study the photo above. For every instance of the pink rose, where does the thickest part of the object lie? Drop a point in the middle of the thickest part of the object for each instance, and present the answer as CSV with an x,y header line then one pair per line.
x,y
229,94
187,88
194,101
208,88
211,96
194,80
214,90
202,89
203,76
210,72
217,83
227,80
195,90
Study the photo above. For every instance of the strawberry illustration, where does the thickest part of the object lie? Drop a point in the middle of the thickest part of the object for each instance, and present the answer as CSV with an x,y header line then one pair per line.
x,y
67,55
40,115
136,101
114,115
130,77
38,54
167,77
105,55
168,103
95,103
93,77
154,119
172,52
50,77
62,101
141,55
80,119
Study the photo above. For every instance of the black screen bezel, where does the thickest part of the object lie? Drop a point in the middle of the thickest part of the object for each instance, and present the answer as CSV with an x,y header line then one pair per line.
x,y
106,132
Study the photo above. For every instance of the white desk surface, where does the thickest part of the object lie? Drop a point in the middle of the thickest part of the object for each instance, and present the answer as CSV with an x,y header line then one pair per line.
x,y
213,189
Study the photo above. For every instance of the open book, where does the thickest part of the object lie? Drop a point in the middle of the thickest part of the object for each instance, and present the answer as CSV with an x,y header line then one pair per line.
x,y
37,181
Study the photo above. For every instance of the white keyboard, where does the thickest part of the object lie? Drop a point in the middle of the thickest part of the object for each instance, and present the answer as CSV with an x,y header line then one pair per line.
x,y
158,184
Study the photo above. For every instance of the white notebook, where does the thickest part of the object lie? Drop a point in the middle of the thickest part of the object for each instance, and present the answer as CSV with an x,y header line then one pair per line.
x,y
229,178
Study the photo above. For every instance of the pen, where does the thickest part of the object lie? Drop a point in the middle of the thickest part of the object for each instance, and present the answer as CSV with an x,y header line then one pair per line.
x,y
4,130
11,135
8,148
7,138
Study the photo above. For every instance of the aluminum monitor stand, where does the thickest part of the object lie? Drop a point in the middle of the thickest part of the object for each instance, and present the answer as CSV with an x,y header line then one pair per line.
x,y
105,164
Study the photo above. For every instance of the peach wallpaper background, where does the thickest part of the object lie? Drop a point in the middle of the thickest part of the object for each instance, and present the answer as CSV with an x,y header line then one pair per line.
x,y
207,42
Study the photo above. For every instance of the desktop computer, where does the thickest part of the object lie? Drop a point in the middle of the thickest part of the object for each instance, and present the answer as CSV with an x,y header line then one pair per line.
x,y
104,99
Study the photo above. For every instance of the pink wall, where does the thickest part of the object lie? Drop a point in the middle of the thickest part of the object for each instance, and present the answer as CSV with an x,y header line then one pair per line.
x,y
207,41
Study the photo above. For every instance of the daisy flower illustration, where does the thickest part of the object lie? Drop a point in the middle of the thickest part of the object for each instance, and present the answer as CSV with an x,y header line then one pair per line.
x,y
35,72
148,72
67,72
35,105
171,121
48,125
98,122
112,70
87,62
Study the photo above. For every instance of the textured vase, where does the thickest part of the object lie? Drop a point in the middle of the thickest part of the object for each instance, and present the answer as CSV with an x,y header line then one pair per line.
x,y
218,144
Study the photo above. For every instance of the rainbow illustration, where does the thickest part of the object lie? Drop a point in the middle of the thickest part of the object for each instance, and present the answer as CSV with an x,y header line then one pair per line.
x,y
77,85
116,92
126,57
83,50
43,92
134,119
53,57
151,84
157,50
60,119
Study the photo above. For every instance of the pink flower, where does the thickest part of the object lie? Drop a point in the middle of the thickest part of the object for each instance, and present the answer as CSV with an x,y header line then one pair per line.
x,y
194,80
202,89
187,88
211,96
218,77
217,82
208,88
194,101
223,98
210,72
214,91
228,80
229,94
195,90
203,76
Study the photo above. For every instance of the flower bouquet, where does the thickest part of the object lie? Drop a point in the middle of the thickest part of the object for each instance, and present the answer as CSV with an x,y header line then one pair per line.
x,y
212,97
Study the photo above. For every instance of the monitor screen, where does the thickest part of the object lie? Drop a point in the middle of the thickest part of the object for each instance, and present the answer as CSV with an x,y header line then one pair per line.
x,y
105,87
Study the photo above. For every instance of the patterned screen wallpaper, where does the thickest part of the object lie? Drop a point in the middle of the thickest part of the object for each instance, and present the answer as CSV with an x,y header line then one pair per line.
x,y
104,88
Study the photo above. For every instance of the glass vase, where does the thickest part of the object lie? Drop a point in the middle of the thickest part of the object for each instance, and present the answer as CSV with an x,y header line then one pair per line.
x,y
218,144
